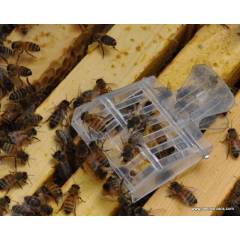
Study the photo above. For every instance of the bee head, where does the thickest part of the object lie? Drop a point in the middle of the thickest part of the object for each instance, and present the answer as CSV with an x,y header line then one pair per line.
x,y
33,131
59,155
232,132
32,201
46,209
28,72
175,186
8,84
74,189
93,145
65,103
101,173
106,187
7,199
84,115
16,44
101,83
133,121
23,156
78,102
23,176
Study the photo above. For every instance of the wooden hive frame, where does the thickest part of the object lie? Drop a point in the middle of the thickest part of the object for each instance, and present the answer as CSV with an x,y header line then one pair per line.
x,y
144,50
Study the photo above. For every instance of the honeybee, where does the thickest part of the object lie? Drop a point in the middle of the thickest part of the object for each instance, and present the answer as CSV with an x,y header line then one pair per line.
x,y
4,205
137,122
85,97
6,29
94,121
19,156
130,149
59,156
9,181
43,194
21,137
101,87
28,119
71,153
82,150
5,53
21,93
18,71
6,83
22,210
39,209
234,201
58,115
233,142
63,137
127,208
99,162
8,117
7,124
45,210
165,152
236,191
70,202
8,147
112,185
33,202
53,191
20,47
103,39
185,195
63,169
72,132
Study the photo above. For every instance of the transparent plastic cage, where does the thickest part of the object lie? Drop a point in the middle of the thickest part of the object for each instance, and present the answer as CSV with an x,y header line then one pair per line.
x,y
169,137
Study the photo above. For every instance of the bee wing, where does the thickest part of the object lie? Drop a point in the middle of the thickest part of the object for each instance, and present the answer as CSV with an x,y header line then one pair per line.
x,y
237,144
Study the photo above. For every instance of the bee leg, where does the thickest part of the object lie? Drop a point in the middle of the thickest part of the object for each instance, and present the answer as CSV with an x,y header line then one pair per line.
x,y
3,58
101,47
81,199
38,140
30,54
60,209
15,163
75,213
18,57
229,150
7,190
19,185
74,209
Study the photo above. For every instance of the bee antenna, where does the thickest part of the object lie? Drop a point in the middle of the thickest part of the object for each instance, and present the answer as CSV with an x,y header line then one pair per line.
x,y
28,164
71,100
117,49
